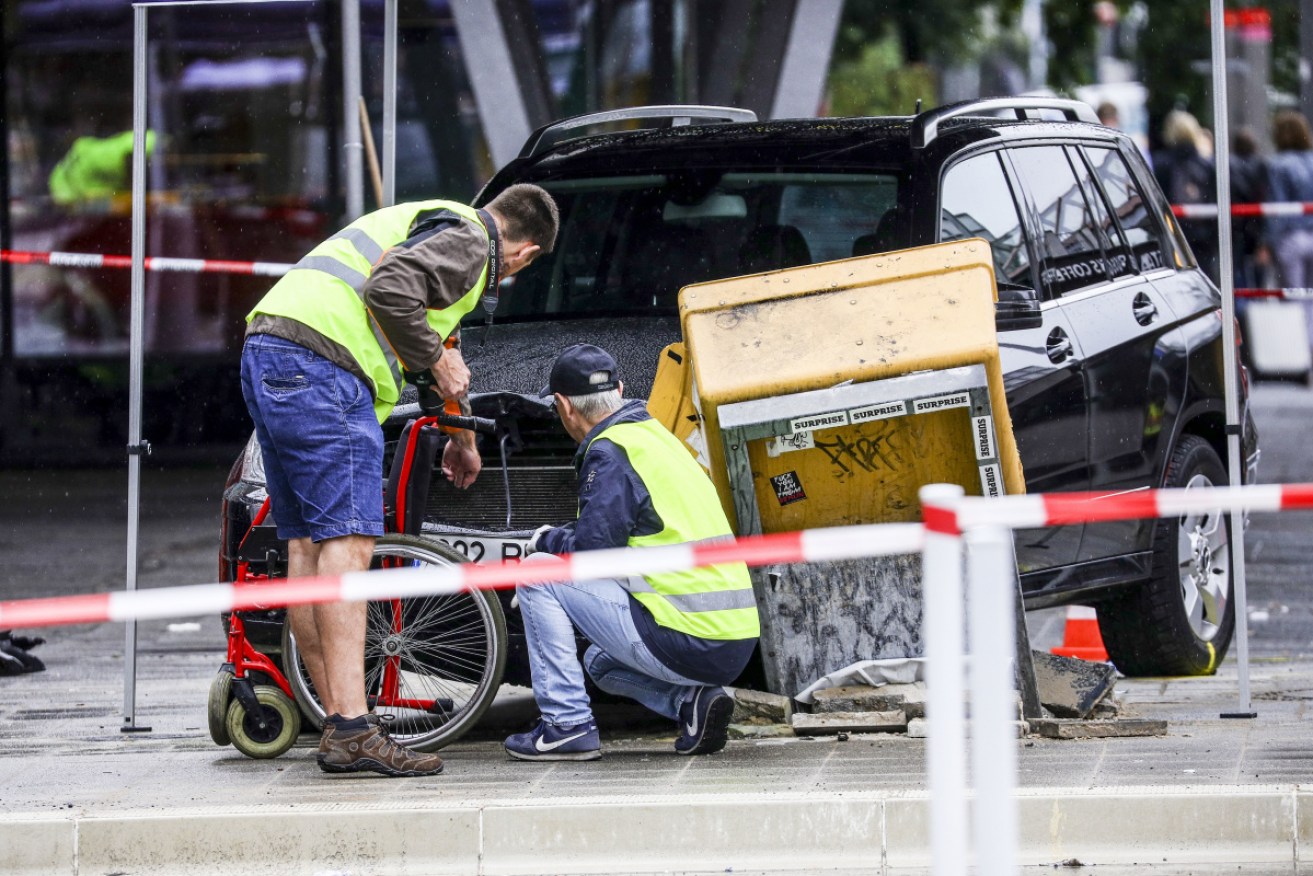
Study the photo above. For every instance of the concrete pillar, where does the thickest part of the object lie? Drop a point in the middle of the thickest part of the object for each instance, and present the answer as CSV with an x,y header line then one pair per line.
x,y
493,76
800,87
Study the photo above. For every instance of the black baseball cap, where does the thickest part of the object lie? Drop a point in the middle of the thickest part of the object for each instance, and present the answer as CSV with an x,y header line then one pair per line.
x,y
581,370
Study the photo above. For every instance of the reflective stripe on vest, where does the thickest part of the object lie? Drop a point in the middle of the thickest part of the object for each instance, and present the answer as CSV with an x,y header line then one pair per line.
x,y
711,603
325,291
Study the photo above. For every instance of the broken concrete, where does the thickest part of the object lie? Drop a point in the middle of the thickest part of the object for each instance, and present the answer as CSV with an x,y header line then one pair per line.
x,y
1060,728
919,728
907,698
891,721
757,707
1071,688
760,731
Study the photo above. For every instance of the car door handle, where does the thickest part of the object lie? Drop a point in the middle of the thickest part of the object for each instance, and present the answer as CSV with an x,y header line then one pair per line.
x,y
1058,346
1144,309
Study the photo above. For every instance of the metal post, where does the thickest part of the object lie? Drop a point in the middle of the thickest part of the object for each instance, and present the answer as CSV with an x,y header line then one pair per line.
x,y
389,156
992,586
353,150
136,446
941,569
1234,428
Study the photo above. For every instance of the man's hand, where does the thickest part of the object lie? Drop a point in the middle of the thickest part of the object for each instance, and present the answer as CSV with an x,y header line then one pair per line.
x,y
532,547
451,374
460,461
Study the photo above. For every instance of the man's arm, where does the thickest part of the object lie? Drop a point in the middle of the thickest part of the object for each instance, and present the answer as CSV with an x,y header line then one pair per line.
x,y
431,270
613,504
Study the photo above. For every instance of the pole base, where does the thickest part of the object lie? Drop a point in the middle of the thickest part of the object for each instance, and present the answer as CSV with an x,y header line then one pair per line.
x,y
133,728
1238,715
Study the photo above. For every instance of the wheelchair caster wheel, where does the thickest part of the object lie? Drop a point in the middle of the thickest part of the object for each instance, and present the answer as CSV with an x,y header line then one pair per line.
x,y
220,695
282,724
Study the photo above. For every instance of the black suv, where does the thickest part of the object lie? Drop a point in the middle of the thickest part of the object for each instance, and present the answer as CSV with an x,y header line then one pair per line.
x,y
1114,382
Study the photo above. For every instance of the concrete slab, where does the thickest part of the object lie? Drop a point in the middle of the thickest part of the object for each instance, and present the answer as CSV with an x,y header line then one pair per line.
x,y
1075,728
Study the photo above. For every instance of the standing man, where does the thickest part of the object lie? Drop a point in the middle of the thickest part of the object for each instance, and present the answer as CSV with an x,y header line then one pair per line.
x,y
668,640
323,364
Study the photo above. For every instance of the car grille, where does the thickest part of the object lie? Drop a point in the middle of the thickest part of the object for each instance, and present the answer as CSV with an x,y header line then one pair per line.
x,y
539,494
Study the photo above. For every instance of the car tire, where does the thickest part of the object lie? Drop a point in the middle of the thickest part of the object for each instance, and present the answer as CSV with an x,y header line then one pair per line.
x,y
1181,621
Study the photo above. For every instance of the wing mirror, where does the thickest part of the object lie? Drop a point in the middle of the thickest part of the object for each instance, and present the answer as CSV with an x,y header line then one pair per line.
x,y
1017,308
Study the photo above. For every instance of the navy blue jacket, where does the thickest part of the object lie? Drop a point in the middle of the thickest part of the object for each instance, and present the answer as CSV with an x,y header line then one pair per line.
x,y
614,505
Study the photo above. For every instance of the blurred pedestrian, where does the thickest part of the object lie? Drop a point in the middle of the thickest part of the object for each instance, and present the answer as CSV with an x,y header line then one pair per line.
x,y
1248,186
667,640
1187,176
1290,178
14,656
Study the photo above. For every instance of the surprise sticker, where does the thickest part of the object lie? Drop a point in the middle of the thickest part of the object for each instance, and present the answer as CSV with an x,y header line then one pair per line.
x,y
788,489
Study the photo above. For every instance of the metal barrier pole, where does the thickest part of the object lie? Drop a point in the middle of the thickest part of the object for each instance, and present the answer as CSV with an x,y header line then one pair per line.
x,y
389,156
941,586
1234,428
136,446
353,150
991,587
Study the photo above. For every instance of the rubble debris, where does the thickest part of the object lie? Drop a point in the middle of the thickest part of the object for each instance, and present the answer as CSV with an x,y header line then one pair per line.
x,y
760,731
919,728
1074,728
891,721
1070,688
759,707
907,698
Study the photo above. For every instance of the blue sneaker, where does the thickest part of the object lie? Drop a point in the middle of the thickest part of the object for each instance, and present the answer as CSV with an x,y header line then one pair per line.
x,y
549,742
704,721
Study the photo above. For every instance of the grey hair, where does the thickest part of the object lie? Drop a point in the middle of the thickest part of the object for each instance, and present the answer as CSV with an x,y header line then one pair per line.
x,y
596,406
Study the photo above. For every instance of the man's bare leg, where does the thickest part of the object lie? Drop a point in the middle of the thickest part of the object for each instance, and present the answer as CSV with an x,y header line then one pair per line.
x,y
302,561
331,637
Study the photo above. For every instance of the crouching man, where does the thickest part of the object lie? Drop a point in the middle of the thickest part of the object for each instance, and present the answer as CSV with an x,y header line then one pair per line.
x,y
667,640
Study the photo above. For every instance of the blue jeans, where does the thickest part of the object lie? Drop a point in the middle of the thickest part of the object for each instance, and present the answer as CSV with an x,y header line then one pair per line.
x,y
617,660
321,442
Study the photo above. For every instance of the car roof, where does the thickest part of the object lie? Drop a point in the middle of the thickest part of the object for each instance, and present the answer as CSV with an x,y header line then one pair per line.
x,y
845,142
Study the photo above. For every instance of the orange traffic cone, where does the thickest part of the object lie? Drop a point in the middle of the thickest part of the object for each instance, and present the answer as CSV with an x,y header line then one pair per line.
x,y
1081,638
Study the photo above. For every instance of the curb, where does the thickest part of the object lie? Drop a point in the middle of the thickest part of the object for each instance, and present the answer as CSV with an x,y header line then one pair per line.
x,y
874,833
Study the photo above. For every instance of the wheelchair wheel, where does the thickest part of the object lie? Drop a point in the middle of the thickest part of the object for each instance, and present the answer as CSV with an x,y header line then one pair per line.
x,y
220,695
433,664
282,724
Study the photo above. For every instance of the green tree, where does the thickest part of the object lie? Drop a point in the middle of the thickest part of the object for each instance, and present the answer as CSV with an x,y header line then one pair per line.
x,y
880,82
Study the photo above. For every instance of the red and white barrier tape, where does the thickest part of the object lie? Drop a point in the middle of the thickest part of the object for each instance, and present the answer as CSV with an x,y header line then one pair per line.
x,y
814,545
1294,293
152,263
1270,209
1060,509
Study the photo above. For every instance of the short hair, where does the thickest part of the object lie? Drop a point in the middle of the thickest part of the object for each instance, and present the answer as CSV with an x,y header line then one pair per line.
x,y
1107,113
595,406
527,213
1290,132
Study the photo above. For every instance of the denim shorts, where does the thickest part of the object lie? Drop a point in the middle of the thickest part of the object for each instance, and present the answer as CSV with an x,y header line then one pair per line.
x,y
322,444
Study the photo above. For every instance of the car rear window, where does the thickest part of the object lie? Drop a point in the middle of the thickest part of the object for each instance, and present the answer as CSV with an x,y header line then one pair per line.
x,y
628,244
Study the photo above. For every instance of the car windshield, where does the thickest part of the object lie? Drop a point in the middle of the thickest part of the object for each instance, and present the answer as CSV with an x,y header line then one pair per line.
x,y
627,245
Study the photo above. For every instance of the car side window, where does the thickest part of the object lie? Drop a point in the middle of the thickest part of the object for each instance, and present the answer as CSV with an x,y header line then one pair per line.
x,y
1129,206
1071,248
977,202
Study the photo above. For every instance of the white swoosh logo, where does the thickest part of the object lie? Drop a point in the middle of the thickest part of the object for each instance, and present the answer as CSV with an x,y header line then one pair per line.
x,y
543,746
693,727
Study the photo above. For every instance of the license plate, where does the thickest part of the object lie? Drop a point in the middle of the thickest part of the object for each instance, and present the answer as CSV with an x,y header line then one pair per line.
x,y
485,550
